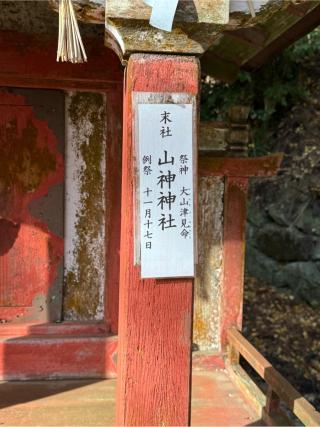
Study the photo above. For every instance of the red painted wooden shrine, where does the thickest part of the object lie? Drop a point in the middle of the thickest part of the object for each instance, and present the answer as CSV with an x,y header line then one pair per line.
x,y
51,350
30,251
155,316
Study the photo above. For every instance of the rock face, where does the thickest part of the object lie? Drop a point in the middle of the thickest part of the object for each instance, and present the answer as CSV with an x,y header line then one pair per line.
x,y
283,233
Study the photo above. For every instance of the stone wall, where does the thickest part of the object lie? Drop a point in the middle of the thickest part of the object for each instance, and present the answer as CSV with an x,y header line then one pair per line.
x,y
283,233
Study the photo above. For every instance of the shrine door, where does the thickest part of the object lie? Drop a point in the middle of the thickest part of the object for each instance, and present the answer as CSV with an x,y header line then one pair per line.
x,y
31,204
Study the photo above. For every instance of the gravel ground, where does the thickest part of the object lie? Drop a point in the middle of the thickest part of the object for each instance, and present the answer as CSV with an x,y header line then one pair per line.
x,y
287,332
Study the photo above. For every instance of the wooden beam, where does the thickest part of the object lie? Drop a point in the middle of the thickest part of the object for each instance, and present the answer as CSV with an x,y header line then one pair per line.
x,y
254,36
240,167
92,11
128,36
295,401
213,136
188,10
113,207
247,387
276,28
289,35
298,9
30,61
155,315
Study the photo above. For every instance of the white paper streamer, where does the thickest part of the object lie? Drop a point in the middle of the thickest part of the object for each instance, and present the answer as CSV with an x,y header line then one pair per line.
x,y
163,12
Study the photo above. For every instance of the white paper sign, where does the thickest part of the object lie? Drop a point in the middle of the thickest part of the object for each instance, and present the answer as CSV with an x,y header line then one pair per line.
x,y
166,193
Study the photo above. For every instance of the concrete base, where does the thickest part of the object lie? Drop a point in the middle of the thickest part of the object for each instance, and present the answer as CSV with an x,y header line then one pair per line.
x,y
215,402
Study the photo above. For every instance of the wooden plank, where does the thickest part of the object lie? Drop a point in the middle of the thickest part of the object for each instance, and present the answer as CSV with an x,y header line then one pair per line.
x,y
289,34
298,8
254,36
189,11
245,167
286,392
256,360
276,22
213,136
276,419
235,201
85,182
30,61
255,397
63,328
113,206
250,390
92,11
127,36
58,356
233,355
131,33
208,283
204,11
155,315
273,401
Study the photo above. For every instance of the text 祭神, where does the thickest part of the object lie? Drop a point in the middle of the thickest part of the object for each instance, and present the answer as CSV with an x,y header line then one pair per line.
x,y
168,193
166,187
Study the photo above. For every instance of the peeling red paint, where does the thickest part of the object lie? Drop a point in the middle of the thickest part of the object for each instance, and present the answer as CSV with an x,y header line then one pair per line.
x,y
62,356
30,252
234,253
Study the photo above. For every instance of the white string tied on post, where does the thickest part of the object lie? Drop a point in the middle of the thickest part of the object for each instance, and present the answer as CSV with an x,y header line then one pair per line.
x,y
70,46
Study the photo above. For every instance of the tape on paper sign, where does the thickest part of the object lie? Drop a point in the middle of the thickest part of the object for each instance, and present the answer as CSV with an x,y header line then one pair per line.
x,y
163,12
149,2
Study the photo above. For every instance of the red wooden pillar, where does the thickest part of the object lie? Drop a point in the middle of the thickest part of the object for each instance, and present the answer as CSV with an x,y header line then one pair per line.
x,y
235,217
237,172
155,315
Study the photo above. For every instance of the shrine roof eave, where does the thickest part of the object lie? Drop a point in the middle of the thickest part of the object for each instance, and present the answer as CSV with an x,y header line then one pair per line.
x,y
244,43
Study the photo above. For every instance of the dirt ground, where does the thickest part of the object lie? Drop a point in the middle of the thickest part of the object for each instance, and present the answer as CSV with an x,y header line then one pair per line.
x,y
287,332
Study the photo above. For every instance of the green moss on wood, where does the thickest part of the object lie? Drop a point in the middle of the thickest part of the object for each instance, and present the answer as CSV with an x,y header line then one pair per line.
x,y
23,163
82,293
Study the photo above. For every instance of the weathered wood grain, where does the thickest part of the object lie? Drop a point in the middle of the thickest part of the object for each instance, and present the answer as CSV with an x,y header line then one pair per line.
x,y
84,206
286,392
131,33
127,36
235,216
245,167
207,310
255,397
92,11
207,295
213,136
30,61
248,388
276,29
244,42
113,206
155,315
202,11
